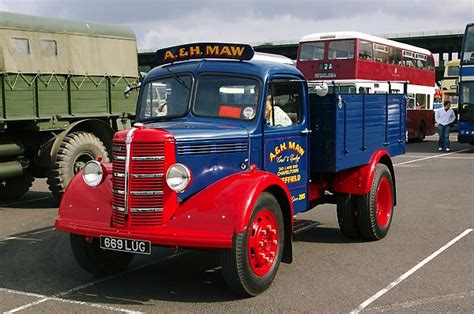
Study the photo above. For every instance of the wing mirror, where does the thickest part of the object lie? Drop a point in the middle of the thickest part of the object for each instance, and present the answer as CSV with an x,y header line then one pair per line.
x,y
128,89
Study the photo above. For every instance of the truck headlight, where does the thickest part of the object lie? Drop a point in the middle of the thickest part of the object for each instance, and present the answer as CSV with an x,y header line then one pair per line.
x,y
178,177
92,173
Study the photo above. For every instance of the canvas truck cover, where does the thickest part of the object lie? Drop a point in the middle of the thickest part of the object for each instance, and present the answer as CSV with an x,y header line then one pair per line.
x,y
30,44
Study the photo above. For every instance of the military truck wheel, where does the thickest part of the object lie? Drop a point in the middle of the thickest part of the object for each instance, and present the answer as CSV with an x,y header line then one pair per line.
x,y
95,260
14,188
347,215
75,151
251,265
375,209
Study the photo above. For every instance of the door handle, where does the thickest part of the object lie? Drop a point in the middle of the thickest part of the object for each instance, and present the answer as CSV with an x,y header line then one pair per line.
x,y
306,131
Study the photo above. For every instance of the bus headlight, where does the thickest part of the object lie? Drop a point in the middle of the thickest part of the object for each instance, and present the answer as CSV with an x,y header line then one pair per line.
x,y
92,173
178,177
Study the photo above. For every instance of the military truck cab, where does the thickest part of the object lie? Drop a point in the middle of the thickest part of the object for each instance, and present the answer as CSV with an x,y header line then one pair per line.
x,y
243,147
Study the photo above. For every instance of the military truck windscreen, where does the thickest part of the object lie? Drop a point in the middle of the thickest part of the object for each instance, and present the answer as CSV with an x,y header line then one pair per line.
x,y
227,97
165,97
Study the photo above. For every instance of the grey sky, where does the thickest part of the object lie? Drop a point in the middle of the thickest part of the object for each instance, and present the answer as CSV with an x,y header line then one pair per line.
x,y
159,24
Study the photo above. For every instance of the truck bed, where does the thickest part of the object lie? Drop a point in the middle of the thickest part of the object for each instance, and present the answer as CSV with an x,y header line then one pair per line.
x,y
42,97
348,128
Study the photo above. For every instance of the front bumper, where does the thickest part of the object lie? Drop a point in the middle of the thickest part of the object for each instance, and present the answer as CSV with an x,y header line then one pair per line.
x,y
162,236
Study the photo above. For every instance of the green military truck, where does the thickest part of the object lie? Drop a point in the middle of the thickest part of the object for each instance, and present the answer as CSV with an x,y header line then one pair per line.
x,y
62,98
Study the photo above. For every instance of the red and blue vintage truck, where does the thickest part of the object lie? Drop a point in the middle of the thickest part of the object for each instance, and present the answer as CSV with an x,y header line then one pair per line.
x,y
225,152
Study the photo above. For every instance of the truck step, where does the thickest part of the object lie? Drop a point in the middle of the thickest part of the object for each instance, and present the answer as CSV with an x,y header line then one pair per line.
x,y
301,225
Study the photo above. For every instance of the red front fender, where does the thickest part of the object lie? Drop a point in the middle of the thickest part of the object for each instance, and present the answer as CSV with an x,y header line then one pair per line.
x,y
227,204
81,202
208,219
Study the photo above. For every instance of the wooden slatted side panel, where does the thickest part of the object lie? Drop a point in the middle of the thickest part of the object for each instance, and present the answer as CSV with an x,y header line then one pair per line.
x,y
2,100
52,95
89,95
20,96
121,104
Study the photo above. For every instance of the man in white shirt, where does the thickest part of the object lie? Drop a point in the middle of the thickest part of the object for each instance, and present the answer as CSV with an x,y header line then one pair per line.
x,y
444,117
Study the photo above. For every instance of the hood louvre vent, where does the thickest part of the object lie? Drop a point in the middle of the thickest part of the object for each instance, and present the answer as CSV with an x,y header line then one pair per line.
x,y
215,148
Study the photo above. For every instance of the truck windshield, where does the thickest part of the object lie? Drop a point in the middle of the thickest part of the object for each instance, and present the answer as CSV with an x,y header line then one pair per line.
x,y
466,102
165,97
227,97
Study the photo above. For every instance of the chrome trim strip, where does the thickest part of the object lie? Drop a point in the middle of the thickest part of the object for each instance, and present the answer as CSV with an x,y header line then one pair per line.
x,y
148,158
116,191
147,210
216,148
119,208
146,192
120,157
119,175
128,143
147,175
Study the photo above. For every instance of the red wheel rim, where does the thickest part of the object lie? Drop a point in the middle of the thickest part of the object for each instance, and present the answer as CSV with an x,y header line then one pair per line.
x,y
263,242
384,202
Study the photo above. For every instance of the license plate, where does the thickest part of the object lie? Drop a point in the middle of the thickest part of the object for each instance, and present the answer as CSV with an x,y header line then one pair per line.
x,y
125,245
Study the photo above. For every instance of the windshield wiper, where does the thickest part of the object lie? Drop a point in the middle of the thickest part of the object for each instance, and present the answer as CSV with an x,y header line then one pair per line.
x,y
178,79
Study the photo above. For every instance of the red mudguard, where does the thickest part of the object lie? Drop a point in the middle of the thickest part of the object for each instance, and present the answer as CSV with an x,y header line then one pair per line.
x,y
208,219
359,180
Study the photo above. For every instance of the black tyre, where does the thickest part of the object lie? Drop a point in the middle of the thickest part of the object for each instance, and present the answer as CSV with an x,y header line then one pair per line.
x,y
375,209
14,188
250,267
347,215
75,151
421,133
95,260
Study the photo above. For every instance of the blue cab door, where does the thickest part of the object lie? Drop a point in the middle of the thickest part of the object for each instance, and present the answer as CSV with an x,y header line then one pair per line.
x,y
286,136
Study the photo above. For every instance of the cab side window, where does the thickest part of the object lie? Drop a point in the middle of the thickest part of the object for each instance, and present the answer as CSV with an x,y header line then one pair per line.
x,y
284,103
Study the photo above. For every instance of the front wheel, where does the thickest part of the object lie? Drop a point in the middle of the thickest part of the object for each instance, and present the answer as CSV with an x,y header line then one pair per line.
x,y
375,209
95,260
250,267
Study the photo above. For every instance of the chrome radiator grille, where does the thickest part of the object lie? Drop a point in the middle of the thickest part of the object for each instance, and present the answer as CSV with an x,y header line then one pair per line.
x,y
143,192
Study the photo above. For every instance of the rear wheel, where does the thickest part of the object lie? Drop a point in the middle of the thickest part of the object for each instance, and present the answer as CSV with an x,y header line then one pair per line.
x,y
95,260
375,209
75,151
347,215
14,188
250,267
421,133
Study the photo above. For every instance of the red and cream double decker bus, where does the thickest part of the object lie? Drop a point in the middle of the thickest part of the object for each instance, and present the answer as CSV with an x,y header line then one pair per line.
x,y
356,62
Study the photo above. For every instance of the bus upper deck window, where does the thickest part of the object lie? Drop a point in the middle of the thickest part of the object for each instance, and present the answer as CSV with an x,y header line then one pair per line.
x,y
341,49
453,71
395,56
312,51
365,50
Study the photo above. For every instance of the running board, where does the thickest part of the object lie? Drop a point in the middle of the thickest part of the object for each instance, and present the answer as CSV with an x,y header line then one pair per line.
x,y
301,225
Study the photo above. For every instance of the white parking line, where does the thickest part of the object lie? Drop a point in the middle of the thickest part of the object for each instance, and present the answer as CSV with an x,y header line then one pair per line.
x,y
430,157
21,238
442,157
394,283
22,202
45,298
26,235
57,296
397,307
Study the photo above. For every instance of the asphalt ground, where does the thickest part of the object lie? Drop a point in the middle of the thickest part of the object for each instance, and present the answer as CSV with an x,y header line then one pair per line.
x,y
425,264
